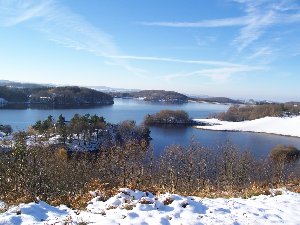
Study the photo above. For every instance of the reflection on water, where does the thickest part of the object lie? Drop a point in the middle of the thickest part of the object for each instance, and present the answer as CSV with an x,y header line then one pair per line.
x,y
129,109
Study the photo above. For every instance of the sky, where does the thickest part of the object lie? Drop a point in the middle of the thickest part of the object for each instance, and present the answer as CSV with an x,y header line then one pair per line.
x,y
235,48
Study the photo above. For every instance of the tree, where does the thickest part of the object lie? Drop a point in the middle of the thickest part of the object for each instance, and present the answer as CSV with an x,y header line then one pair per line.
x,y
75,125
7,129
44,126
96,124
38,126
62,128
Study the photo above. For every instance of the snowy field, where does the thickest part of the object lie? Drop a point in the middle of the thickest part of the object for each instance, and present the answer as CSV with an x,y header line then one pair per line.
x,y
136,207
289,126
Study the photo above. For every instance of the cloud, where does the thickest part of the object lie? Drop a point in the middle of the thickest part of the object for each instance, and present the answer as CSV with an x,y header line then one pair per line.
x,y
261,52
174,60
62,26
227,22
217,74
259,16
14,12
220,72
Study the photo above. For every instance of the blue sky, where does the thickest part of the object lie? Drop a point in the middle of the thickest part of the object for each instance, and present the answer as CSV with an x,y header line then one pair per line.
x,y
235,48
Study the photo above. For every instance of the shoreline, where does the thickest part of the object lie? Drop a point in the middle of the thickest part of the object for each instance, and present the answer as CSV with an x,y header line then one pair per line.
x,y
283,126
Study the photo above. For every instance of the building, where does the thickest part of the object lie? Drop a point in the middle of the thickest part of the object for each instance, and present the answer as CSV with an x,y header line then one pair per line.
x,y
3,101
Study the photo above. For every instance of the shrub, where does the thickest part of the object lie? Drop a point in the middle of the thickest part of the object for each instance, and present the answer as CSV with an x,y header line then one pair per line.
x,y
285,154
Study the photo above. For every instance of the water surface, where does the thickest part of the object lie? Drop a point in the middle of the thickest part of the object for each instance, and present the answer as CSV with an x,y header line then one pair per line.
x,y
130,109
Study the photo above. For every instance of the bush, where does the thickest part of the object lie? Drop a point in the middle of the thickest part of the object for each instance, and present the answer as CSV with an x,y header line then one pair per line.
x,y
285,154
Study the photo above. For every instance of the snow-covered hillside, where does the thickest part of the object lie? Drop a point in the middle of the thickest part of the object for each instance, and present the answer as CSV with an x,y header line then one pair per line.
x,y
136,207
289,126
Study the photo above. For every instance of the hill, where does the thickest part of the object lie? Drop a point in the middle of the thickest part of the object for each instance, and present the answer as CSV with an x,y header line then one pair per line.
x,y
21,85
153,96
161,96
170,96
70,96
222,100
55,96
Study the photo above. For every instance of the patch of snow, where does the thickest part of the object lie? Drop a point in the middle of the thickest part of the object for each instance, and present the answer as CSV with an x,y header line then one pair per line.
x,y
289,126
2,135
2,205
136,207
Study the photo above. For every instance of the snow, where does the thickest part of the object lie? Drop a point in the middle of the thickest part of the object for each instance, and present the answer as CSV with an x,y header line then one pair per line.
x,y
136,207
289,126
2,206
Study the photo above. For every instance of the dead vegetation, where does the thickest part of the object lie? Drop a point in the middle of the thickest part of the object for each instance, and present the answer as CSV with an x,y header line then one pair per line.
x,y
58,177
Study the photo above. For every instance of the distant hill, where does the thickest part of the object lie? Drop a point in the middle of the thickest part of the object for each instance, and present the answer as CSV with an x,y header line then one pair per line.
x,y
8,89
153,95
55,96
172,96
14,84
222,100
112,90
160,95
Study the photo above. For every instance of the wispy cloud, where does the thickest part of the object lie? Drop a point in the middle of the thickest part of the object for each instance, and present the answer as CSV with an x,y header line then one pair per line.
x,y
59,24
205,41
15,12
174,60
259,16
217,74
227,22
215,70
261,52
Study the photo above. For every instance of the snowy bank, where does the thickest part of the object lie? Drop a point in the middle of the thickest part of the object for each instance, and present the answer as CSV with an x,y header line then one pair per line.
x,y
289,126
136,207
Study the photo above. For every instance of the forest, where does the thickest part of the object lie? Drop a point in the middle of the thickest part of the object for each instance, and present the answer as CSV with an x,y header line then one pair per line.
x,y
55,96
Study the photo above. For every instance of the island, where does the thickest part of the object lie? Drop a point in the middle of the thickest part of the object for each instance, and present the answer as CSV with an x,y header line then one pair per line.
x,y
170,117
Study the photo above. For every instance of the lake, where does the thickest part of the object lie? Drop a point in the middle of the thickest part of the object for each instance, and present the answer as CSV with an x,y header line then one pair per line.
x,y
131,109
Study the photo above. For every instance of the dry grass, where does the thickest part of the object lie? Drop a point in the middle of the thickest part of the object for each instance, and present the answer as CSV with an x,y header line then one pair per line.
x,y
253,190
145,201
81,199
13,198
127,206
168,201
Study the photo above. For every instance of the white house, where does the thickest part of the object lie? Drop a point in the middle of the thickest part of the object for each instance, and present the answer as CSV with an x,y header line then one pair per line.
x,y
3,101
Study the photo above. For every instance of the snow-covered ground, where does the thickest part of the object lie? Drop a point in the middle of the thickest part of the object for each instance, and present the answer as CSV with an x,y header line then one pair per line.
x,y
289,126
136,207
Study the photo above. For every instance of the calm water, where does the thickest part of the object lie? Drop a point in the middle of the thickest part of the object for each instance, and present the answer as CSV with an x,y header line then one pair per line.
x,y
124,109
